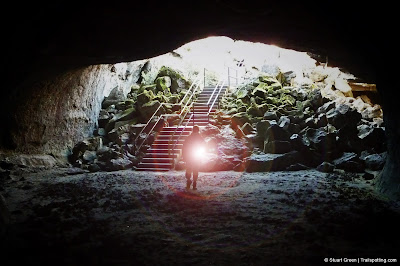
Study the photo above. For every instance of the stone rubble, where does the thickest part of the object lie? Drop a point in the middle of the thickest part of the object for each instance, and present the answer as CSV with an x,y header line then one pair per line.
x,y
266,124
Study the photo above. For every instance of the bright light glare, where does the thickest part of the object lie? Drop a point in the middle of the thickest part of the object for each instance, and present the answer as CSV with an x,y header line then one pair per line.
x,y
199,153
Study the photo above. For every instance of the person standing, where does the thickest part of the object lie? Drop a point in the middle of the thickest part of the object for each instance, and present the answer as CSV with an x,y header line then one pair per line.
x,y
193,150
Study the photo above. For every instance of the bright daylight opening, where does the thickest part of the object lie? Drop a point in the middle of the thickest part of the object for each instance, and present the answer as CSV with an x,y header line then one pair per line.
x,y
252,101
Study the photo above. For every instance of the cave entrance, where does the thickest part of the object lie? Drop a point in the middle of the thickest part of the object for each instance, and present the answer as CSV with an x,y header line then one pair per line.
x,y
278,109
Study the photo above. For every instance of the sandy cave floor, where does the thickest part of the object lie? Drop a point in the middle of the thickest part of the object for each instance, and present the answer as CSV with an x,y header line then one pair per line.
x,y
61,217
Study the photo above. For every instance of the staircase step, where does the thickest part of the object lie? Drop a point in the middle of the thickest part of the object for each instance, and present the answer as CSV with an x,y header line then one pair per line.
x,y
153,169
166,146
166,141
157,160
163,150
172,129
155,165
161,155
175,137
200,123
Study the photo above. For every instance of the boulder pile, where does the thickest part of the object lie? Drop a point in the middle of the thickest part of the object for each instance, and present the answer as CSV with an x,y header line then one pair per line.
x,y
122,117
309,126
266,124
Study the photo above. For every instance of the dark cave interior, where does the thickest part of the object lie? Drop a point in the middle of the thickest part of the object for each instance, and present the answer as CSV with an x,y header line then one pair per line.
x,y
48,50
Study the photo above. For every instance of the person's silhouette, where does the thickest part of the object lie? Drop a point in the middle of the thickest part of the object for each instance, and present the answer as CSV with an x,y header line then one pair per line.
x,y
193,148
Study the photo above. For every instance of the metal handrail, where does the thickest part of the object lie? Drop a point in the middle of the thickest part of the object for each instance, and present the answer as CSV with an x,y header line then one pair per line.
x,y
162,116
212,105
235,77
180,122
216,86
180,135
191,86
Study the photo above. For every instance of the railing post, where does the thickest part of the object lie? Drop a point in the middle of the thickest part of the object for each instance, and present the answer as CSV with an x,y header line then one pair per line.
x,y
204,77
237,81
229,78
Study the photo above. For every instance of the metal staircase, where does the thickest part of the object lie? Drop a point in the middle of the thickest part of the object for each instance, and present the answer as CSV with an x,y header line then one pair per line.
x,y
166,148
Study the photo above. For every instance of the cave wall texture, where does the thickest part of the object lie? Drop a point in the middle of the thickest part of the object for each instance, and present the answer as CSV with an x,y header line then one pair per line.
x,y
57,56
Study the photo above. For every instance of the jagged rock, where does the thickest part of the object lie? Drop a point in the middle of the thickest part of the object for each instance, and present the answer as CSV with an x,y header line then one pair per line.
x,y
242,109
76,171
294,128
350,162
247,128
321,120
119,164
129,103
239,119
94,167
288,76
271,162
284,122
255,111
316,99
343,86
106,154
99,132
271,69
262,127
148,109
268,79
89,156
321,141
326,107
310,122
275,132
270,115
103,119
277,146
326,167
373,139
145,97
178,82
116,95
163,83
241,93
287,99
318,74
375,162
126,115
297,167
342,115
114,134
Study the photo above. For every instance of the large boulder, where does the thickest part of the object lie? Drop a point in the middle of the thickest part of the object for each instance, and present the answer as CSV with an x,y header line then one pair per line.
x,y
275,132
320,140
163,83
239,119
262,127
178,82
116,95
148,109
375,162
271,162
277,146
343,115
373,139
350,162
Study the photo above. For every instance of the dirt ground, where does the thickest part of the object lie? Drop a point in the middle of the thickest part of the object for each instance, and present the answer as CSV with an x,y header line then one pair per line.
x,y
66,217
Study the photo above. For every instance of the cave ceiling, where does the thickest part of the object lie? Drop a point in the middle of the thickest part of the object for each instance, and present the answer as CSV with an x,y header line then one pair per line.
x,y
64,34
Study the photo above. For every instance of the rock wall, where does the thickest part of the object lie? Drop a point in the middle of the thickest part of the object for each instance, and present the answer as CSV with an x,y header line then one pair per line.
x,y
388,182
52,115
